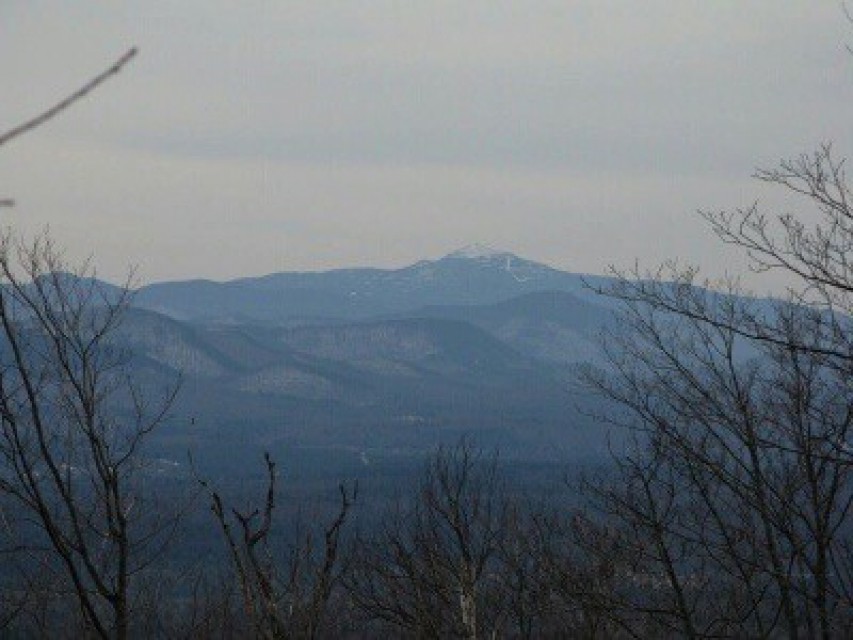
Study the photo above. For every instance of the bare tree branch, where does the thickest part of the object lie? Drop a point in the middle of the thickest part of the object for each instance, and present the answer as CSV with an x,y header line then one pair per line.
x,y
63,104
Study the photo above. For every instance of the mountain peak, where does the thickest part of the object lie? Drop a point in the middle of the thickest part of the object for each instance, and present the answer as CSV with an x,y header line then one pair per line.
x,y
477,251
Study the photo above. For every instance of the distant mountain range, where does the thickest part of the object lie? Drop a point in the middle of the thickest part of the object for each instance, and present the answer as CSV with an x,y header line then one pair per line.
x,y
374,360
471,276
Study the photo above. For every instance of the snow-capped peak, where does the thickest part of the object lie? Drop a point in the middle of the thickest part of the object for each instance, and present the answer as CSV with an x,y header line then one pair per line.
x,y
477,251
487,257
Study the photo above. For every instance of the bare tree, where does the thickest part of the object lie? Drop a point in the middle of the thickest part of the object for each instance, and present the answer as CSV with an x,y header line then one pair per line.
x,y
811,248
737,485
524,568
288,598
76,511
72,424
814,247
734,490
431,571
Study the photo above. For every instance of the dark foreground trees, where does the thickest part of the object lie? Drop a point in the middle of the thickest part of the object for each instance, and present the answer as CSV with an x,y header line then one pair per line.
x,y
465,555
733,498
79,520
285,592
430,569
79,523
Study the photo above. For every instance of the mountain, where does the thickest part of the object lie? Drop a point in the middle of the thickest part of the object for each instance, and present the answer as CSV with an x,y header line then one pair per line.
x,y
334,372
553,326
370,385
375,361
473,275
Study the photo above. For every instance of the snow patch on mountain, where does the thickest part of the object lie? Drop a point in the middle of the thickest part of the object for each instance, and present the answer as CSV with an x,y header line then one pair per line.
x,y
519,270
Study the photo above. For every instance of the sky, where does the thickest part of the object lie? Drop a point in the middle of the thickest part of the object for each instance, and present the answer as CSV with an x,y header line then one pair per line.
x,y
254,137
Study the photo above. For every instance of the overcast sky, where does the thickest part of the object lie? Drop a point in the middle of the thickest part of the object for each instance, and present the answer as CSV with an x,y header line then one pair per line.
x,y
255,137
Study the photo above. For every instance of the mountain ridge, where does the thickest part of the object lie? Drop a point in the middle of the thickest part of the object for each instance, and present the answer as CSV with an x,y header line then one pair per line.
x,y
479,341
466,276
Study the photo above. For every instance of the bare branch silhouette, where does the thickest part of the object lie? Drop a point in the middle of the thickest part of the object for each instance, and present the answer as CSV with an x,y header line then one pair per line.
x,y
60,106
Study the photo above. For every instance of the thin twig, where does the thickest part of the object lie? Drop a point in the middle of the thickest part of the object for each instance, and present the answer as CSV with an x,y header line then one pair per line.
x,y
67,102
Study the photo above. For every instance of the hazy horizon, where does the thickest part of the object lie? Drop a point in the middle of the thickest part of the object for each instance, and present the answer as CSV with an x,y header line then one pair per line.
x,y
464,251
311,136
